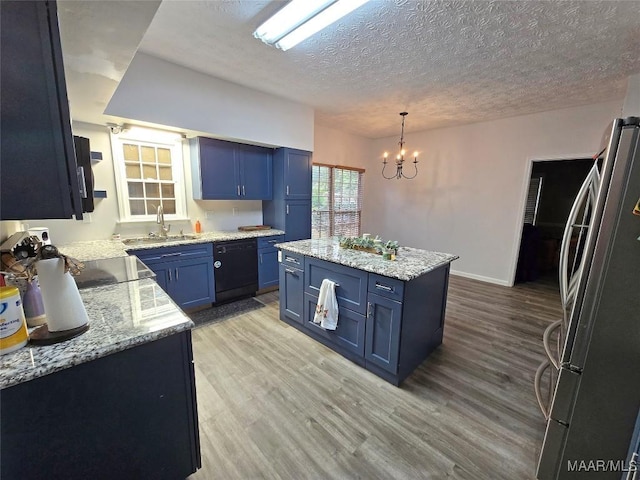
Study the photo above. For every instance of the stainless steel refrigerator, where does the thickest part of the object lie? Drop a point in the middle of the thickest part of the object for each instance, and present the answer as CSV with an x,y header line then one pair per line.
x,y
597,393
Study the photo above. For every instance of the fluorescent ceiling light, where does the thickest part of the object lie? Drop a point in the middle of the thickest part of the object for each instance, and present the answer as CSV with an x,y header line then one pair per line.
x,y
300,19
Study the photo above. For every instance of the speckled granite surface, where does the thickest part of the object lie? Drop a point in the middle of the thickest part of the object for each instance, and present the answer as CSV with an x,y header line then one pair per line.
x,y
410,263
96,249
121,316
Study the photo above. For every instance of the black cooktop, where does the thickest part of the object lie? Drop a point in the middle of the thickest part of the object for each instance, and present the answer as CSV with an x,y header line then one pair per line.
x,y
108,271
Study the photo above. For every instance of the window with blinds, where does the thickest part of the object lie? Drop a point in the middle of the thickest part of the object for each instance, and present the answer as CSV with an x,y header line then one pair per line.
x,y
336,201
533,200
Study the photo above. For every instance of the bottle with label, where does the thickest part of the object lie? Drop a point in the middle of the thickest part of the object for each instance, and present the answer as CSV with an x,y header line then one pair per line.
x,y
13,326
198,227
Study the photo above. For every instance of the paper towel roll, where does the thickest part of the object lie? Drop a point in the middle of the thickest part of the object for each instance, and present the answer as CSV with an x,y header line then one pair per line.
x,y
62,303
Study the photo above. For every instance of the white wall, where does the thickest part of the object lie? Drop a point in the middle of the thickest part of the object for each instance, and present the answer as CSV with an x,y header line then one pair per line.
x,y
156,91
631,105
469,194
336,147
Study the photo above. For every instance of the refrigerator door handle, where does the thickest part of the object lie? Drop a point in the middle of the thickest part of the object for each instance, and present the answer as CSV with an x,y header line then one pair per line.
x,y
554,358
586,197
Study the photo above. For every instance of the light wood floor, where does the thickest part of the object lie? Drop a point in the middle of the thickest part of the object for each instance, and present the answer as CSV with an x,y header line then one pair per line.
x,y
273,403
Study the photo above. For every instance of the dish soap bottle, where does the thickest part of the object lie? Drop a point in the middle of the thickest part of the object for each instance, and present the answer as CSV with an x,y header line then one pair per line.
x,y
198,227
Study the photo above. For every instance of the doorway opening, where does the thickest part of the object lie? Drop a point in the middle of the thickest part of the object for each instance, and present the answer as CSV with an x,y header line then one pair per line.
x,y
553,187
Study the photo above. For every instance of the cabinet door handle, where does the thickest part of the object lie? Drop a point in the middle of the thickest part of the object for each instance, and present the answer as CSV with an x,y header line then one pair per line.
x,y
243,192
238,190
287,189
273,241
287,209
260,258
384,287
177,276
169,272
368,309
177,254
291,271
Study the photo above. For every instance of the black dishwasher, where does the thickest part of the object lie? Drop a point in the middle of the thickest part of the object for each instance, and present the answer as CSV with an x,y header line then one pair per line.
x,y
235,265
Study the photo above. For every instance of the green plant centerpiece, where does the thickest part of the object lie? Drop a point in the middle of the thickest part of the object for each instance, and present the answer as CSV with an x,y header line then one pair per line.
x,y
372,245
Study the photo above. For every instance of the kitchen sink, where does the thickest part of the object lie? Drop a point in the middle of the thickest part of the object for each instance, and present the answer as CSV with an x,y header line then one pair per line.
x,y
151,240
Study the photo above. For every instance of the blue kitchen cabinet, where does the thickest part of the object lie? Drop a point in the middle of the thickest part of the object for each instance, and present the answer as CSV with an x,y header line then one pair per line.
x,y
185,272
39,178
268,272
297,165
230,171
382,343
290,208
292,288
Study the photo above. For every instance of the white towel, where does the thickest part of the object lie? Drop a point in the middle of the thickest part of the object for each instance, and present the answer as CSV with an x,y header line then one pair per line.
x,y
327,308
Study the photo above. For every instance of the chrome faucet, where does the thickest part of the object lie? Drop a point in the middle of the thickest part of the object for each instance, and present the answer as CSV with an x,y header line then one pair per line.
x,y
162,229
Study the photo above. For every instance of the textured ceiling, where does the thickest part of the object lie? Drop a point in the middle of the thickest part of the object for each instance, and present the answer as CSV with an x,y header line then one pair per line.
x,y
445,62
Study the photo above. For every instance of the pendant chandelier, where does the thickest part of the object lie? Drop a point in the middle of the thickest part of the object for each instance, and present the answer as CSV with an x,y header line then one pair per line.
x,y
400,157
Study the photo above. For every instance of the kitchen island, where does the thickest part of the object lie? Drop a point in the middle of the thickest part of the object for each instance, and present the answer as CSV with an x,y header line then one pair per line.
x,y
117,401
391,313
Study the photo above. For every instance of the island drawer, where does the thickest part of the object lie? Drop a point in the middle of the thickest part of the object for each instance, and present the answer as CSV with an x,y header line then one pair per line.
x,y
351,289
293,259
386,287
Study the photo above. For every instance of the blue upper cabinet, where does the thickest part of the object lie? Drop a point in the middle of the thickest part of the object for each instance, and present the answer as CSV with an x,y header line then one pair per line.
x,y
256,172
37,160
290,209
230,171
297,173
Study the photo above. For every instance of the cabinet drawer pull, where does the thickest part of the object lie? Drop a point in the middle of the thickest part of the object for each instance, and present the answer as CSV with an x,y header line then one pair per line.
x,y
287,209
177,254
292,260
386,288
243,192
238,190
291,271
273,241
287,189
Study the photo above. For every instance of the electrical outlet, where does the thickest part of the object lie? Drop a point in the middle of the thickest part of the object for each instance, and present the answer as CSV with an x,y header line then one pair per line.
x,y
209,214
235,211
87,218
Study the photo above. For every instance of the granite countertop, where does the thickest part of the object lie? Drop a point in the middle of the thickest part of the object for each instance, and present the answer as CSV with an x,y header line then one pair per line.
x,y
96,249
121,316
410,262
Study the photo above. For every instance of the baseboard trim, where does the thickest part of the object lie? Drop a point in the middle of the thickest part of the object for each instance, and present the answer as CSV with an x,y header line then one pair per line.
x,y
482,278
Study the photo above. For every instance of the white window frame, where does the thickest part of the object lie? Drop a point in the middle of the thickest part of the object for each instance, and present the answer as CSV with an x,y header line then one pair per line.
x,y
155,138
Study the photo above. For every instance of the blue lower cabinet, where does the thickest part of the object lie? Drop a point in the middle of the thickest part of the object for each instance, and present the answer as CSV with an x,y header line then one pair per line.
x,y
185,272
268,271
291,293
382,344
349,335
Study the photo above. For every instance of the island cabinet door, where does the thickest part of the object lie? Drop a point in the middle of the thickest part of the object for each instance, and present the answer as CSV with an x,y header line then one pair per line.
x,y
349,335
291,293
382,338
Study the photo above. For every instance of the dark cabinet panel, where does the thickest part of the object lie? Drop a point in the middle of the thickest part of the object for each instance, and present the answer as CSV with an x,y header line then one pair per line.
x,y
37,159
132,414
382,342
230,171
291,293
